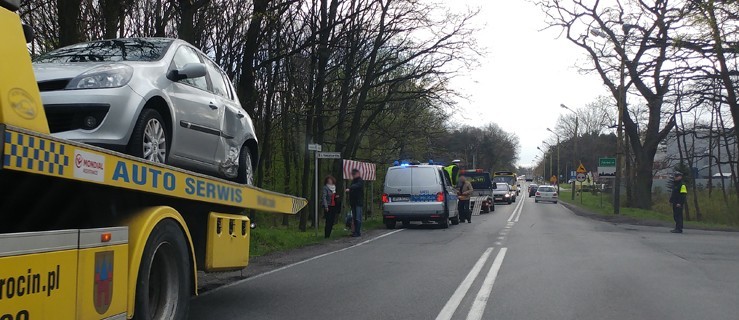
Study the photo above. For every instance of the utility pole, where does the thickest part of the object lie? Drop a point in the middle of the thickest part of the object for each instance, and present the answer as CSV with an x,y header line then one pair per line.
x,y
576,163
558,147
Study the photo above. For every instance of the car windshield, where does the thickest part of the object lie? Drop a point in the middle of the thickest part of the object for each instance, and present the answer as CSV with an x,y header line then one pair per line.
x,y
501,187
137,49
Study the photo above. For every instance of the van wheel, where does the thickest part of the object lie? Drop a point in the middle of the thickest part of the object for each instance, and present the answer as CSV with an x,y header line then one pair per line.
x,y
164,285
406,223
444,223
455,220
390,224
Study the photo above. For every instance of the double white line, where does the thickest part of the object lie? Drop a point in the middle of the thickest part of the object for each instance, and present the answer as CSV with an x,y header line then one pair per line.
x,y
516,212
481,300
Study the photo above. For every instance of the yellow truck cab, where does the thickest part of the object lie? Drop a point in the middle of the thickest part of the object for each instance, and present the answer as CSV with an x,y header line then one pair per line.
x,y
88,233
508,177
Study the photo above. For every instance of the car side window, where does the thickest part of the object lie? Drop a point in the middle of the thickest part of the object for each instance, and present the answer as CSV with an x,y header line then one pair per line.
x,y
184,56
216,78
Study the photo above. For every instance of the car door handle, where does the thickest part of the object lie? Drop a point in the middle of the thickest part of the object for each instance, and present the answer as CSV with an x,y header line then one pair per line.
x,y
213,106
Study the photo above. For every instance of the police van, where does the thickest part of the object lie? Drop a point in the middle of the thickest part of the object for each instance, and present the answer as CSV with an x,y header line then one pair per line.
x,y
418,192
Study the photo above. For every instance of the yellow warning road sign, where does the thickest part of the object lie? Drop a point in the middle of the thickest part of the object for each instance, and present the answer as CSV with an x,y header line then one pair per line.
x,y
581,169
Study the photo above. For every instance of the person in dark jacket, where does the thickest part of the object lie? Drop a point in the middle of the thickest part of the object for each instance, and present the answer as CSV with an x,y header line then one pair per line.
x,y
356,201
677,199
330,203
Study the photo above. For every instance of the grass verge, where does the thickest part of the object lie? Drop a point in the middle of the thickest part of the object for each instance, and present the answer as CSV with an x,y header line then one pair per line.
x,y
604,206
268,239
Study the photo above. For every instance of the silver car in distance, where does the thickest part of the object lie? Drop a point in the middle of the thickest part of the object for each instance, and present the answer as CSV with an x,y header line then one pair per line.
x,y
154,98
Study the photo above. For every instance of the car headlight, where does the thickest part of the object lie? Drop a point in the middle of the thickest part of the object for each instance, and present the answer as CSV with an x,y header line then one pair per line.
x,y
507,195
106,76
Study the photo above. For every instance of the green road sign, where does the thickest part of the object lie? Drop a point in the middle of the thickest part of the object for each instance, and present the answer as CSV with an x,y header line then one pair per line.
x,y
607,162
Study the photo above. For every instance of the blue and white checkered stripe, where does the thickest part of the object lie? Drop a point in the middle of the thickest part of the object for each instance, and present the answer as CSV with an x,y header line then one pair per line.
x,y
24,151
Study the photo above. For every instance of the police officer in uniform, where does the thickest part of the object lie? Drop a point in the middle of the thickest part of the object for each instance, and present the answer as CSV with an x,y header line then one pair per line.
x,y
453,171
677,199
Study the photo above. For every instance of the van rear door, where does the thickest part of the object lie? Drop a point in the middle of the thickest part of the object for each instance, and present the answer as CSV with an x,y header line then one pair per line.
x,y
398,183
426,184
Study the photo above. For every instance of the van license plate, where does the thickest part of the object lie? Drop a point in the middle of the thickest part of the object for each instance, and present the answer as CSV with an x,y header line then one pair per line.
x,y
401,199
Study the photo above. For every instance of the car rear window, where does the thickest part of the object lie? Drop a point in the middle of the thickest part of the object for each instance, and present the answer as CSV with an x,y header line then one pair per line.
x,y
135,49
479,180
398,177
545,189
425,176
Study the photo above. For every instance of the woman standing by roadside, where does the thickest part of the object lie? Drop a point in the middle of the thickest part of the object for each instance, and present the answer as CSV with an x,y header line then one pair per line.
x,y
330,203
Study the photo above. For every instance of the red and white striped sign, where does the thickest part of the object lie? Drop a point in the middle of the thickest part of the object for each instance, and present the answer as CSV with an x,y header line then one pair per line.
x,y
366,169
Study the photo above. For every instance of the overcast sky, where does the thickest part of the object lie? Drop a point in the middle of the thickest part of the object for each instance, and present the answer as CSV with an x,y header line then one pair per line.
x,y
524,76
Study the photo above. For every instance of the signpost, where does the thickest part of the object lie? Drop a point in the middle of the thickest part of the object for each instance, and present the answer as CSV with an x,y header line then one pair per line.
x,y
581,176
607,168
317,148
329,155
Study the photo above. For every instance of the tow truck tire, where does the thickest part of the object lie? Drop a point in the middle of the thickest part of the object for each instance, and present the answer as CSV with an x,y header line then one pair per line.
x,y
164,283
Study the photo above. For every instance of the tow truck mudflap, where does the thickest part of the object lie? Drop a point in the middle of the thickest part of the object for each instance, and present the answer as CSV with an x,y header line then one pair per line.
x,y
64,274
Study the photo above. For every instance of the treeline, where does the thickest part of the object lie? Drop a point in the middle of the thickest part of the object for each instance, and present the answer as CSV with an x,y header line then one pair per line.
x,y
673,67
367,78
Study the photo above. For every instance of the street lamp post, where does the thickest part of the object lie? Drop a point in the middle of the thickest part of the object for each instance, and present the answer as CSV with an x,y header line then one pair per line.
x,y
545,166
574,141
551,169
558,168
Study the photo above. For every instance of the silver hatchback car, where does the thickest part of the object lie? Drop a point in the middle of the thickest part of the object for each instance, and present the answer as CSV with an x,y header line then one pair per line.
x,y
156,98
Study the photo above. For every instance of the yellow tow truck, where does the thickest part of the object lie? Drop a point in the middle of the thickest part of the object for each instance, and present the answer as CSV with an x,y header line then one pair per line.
x,y
88,233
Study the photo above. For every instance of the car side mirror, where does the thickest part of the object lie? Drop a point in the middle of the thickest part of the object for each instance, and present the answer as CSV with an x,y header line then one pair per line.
x,y
188,71
495,185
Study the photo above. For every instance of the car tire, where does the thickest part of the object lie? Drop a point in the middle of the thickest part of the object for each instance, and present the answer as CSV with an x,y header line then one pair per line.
x,y
444,223
492,207
509,201
246,168
149,137
163,286
555,202
390,224
485,209
536,201
455,220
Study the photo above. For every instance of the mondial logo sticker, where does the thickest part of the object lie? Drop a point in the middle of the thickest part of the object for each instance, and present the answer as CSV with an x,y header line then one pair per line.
x,y
89,166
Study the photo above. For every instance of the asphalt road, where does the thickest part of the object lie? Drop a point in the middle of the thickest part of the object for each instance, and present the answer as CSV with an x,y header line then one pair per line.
x,y
524,261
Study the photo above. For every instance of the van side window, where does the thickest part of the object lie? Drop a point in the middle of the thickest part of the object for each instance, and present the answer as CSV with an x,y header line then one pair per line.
x,y
445,178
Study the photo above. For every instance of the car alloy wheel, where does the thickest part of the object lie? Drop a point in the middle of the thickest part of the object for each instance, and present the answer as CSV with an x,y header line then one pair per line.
x,y
155,141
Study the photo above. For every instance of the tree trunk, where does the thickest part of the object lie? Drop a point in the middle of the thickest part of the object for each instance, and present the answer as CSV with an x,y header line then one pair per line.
x,y
68,12
246,87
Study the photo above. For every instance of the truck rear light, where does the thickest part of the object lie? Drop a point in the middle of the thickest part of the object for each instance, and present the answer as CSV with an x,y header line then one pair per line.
x,y
439,197
385,198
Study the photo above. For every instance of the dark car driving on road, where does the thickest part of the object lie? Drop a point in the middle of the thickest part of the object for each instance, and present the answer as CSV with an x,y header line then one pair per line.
x,y
532,189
